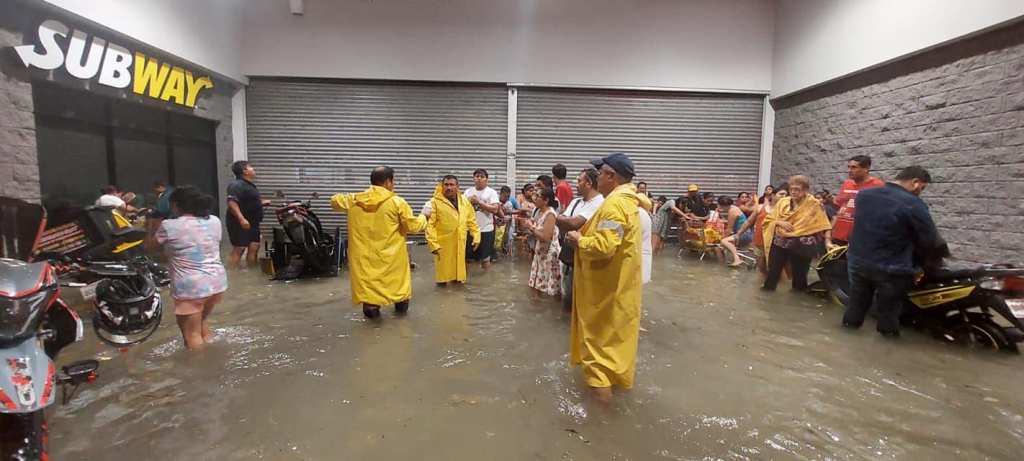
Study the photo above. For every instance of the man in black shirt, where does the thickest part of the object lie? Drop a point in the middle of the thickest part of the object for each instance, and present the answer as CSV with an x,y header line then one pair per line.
x,y
245,212
696,205
890,223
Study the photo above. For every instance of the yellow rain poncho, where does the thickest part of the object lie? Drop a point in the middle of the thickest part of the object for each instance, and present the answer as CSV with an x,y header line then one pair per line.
x,y
446,235
378,221
808,218
606,292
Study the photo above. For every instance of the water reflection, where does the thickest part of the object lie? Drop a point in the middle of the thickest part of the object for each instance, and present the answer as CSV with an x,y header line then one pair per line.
x,y
480,371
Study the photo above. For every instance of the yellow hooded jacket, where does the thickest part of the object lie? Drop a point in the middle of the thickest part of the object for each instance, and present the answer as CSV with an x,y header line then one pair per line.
x,y
378,221
606,292
446,235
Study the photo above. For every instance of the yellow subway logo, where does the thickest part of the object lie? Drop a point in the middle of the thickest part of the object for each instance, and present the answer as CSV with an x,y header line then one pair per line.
x,y
114,64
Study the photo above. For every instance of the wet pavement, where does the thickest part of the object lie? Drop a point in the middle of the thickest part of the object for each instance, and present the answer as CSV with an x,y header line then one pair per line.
x,y
480,372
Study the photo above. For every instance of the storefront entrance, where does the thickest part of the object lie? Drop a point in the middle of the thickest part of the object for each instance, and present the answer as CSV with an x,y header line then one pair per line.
x,y
86,141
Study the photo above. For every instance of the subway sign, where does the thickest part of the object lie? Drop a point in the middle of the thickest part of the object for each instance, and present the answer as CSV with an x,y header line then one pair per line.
x,y
111,65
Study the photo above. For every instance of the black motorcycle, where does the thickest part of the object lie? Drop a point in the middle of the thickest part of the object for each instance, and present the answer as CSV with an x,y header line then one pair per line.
x,y
302,235
981,306
101,252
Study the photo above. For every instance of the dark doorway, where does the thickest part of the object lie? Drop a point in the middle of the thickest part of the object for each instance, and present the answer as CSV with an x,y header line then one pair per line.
x,y
86,141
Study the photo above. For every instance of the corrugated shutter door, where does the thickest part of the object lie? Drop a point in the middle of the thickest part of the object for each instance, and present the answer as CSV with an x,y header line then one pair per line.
x,y
310,136
674,139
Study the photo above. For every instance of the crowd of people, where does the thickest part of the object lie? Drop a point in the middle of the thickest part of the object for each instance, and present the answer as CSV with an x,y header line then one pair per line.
x,y
592,249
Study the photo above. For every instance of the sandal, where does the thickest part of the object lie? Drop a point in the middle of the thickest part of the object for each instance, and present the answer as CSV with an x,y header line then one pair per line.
x,y
736,265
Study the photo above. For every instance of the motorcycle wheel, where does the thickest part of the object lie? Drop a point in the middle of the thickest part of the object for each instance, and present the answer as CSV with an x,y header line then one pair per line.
x,y
977,332
23,436
308,241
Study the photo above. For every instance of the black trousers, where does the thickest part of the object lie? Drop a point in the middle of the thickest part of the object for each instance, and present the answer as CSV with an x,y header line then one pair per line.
x,y
799,259
885,290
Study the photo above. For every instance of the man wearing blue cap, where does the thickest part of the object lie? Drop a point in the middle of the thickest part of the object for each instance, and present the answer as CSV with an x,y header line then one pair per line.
x,y
606,289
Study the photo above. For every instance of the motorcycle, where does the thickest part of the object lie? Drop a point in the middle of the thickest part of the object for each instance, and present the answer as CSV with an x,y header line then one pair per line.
x,y
35,324
100,251
979,307
301,233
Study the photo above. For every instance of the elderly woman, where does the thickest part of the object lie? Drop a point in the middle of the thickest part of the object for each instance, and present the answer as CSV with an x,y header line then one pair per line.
x,y
794,232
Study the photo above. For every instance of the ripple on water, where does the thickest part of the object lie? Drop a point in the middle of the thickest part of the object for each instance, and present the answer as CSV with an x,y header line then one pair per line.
x,y
568,399
495,321
452,358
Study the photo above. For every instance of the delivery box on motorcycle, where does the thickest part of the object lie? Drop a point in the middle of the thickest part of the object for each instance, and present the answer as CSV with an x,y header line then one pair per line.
x,y
92,233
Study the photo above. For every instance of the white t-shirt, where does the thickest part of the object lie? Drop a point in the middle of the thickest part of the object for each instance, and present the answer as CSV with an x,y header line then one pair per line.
x,y
646,250
584,208
110,200
484,220
580,207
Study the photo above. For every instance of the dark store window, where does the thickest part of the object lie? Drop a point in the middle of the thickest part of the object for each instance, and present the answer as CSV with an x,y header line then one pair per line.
x,y
87,141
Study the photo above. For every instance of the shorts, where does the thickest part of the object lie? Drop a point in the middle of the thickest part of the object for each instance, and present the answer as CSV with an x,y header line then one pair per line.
x,y
484,252
241,237
744,239
195,306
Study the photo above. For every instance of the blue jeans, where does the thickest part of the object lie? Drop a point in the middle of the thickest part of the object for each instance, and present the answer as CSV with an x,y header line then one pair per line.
x,y
885,290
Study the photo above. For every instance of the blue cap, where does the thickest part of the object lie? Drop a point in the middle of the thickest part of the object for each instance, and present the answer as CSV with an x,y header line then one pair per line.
x,y
618,162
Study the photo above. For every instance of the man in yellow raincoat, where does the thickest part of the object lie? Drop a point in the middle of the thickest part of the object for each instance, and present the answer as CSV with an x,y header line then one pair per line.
x,y
605,326
378,221
451,218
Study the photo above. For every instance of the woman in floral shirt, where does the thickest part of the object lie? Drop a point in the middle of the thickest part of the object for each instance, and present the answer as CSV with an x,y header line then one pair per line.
x,y
192,245
545,275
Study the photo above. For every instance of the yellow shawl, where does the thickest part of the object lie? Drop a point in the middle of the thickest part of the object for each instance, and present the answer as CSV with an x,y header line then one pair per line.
x,y
808,219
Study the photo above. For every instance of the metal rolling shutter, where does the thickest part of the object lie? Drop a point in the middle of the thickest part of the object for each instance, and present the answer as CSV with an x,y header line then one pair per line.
x,y
310,136
674,139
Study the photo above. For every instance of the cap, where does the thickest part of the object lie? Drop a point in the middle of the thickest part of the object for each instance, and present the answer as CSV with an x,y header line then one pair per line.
x,y
618,162
693,188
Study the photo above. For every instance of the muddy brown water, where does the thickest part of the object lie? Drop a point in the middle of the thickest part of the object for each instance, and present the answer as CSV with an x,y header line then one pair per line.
x,y
480,372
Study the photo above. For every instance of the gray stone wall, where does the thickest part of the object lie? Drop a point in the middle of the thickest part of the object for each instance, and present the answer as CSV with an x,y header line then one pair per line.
x,y
19,167
217,107
961,117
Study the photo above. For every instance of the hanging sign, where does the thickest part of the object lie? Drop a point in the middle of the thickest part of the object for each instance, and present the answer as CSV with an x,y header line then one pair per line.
x,y
116,66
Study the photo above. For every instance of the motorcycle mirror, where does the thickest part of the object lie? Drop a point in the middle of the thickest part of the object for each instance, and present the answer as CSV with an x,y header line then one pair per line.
x,y
279,194
81,370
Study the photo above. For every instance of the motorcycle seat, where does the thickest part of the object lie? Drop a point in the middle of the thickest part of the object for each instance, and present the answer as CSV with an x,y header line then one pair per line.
x,y
946,274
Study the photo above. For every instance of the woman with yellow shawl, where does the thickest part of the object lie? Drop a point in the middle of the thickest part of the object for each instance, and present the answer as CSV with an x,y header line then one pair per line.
x,y
794,233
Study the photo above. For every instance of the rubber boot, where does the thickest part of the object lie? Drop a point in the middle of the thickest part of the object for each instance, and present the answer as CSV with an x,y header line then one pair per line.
x,y
401,308
371,311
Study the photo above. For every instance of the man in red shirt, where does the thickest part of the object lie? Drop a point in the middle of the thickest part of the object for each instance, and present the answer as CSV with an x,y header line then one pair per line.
x,y
563,190
860,178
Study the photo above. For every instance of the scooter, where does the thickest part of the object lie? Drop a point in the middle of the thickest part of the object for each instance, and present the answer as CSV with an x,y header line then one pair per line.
x,y
979,307
100,251
302,234
35,324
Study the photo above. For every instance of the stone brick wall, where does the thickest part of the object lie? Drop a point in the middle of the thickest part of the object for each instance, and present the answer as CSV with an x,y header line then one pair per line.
x,y
217,107
957,111
19,167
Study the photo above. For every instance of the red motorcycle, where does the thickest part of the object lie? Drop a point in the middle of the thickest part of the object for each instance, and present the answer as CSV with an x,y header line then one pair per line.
x,y
35,324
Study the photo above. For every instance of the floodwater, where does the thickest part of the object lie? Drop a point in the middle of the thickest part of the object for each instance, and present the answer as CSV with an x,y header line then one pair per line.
x,y
481,372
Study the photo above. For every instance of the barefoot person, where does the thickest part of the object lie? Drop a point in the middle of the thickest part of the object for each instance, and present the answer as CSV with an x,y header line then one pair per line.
x,y
607,274
192,244
245,212
378,221
485,201
451,220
